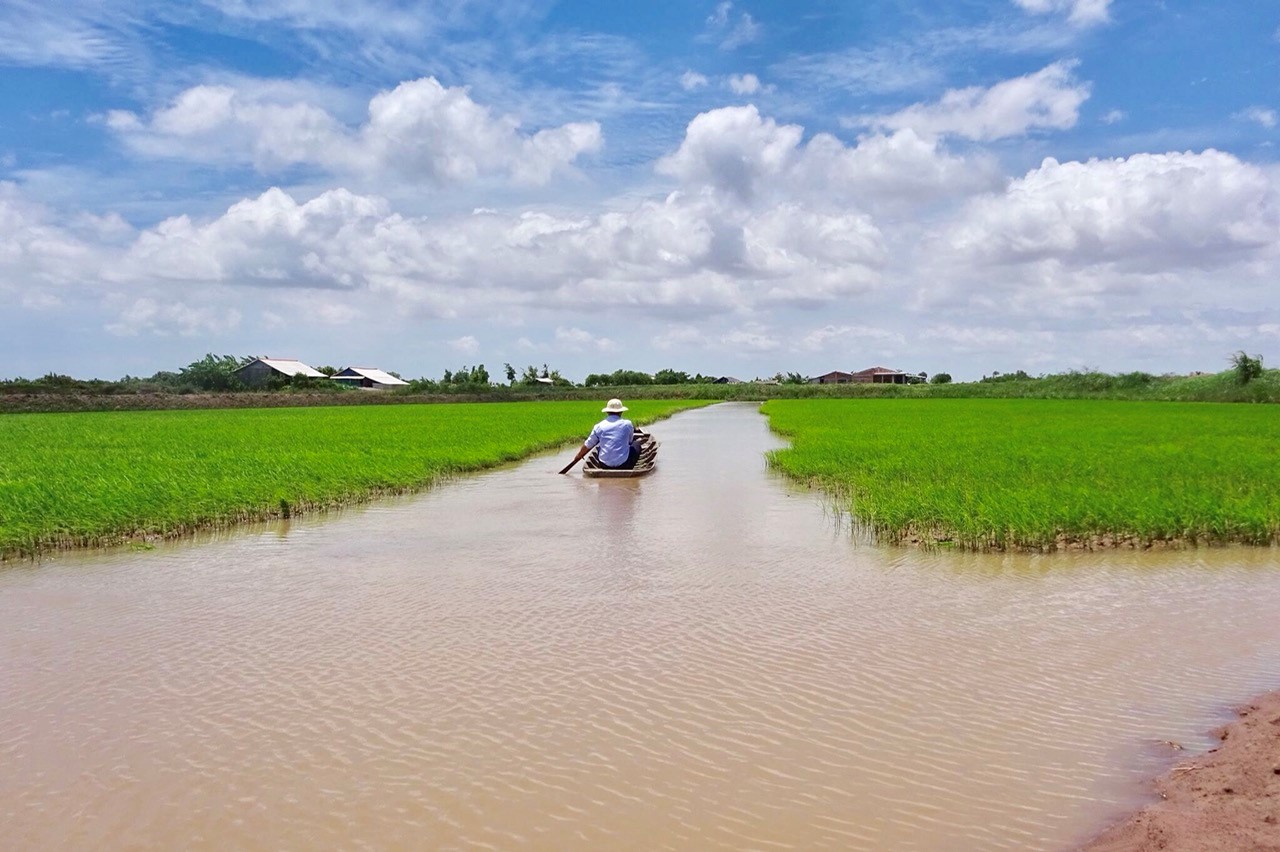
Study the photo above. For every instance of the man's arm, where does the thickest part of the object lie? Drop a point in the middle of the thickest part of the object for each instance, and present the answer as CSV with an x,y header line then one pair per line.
x,y
582,451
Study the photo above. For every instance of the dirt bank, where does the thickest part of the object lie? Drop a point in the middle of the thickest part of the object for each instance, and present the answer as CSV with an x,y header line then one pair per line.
x,y
1227,799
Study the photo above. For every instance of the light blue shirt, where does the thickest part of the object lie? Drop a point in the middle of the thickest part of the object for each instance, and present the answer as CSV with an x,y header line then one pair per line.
x,y
613,436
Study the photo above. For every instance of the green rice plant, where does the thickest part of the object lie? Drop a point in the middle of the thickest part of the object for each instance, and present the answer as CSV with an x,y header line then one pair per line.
x,y
90,478
997,473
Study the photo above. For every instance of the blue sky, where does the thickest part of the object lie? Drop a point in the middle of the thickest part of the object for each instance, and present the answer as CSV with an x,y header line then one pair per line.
x,y
724,187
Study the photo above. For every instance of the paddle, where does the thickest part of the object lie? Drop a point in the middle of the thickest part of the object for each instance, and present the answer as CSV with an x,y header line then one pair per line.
x,y
582,452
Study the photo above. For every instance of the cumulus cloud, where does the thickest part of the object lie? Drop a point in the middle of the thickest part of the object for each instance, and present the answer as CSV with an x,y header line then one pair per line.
x,y
1148,212
1079,12
1048,99
685,255
39,254
420,131
744,84
737,151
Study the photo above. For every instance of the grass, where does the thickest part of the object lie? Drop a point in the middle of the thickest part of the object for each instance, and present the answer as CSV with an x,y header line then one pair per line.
x,y
1003,473
97,478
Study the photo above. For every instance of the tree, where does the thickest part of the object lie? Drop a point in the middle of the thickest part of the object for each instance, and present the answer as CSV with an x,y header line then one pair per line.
x,y
941,379
1246,369
511,373
330,371
214,372
671,377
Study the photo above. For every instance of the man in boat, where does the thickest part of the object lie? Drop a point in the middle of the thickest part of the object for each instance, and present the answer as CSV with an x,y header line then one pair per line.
x,y
615,436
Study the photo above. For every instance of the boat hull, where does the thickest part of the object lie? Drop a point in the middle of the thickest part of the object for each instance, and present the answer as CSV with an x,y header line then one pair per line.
x,y
645,465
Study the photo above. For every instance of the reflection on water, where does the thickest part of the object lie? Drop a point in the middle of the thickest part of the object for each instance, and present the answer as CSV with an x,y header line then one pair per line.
x,y
700,659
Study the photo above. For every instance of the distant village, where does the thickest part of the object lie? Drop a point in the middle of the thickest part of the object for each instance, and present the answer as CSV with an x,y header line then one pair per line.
x,y
263,371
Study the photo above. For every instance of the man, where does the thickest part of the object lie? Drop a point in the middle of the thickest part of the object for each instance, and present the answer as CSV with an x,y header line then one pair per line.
x,y
615,436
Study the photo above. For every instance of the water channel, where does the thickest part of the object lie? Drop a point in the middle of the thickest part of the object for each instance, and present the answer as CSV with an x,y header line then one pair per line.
x,y
702,659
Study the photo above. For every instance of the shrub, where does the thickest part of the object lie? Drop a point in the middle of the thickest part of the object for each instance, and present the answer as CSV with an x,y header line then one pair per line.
x,y
1246,369
940,379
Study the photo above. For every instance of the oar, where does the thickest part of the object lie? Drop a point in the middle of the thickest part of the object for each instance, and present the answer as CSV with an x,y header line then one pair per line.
x,y
582,453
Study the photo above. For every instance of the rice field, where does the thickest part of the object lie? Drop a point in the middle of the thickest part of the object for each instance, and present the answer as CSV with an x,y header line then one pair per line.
x,y
997,473
91,478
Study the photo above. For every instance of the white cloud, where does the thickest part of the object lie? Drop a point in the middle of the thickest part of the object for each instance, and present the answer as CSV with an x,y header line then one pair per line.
x,y
744,84
691,80
168,317
419,131
688,255
578,340
39,255
733,33
467,344
1149,212
1048,99
368,16
1260,115
1114,116
66,35
850,339
1079,12
750,338
737,151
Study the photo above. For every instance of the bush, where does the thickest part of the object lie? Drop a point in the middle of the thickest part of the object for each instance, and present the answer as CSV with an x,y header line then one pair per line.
x,y
940,379
1246,369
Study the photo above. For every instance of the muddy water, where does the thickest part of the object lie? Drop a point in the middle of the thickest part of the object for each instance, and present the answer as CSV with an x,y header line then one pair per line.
x,y
702,659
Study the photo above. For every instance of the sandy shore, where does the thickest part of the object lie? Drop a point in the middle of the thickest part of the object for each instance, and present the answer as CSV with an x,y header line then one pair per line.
x,y
1226,799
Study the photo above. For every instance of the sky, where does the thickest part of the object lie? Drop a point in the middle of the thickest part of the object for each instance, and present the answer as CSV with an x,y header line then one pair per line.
x,y
736,188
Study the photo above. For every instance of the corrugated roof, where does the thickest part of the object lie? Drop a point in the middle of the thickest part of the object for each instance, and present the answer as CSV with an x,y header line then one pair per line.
x,y
373,374
290,367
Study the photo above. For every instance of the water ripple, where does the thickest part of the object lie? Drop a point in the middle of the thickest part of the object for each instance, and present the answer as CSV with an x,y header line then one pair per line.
x,y
702,659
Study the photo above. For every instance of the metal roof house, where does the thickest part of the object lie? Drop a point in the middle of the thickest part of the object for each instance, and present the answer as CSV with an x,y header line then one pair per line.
x,y
369,377
260,370
835,377
726,380
880,376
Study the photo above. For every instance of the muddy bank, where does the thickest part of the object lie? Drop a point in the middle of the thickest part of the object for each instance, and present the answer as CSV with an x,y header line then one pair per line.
x,y
1227,799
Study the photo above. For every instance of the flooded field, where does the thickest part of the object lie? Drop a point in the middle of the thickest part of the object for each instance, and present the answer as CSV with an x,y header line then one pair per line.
x,y
702,659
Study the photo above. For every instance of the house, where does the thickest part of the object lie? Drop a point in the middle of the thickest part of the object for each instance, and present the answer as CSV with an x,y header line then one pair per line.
x,y
881,376
260,370
726,380
370,378
835,377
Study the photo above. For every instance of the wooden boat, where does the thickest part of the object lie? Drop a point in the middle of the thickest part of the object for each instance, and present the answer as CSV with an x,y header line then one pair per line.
x,y
646,464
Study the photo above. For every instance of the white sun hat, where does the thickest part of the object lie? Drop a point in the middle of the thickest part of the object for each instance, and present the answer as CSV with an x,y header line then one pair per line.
x,y
614,406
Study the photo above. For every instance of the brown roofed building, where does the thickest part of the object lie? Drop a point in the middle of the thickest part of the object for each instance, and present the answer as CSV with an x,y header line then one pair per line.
x,y
881,376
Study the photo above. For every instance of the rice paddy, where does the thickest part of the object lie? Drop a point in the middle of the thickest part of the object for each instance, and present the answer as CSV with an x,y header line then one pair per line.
x,y
997,473
69,479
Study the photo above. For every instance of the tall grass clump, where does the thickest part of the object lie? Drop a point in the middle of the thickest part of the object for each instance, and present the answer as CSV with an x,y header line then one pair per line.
x,y
997,473
68,479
